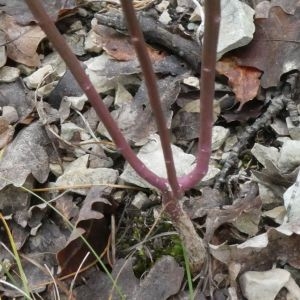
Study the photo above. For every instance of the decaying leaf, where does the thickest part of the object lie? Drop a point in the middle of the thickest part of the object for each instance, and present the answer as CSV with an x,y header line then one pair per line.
x,y
262,251
136,119
22,14
118,45
275,40
36,275
185,125
26,155
49,238
250,110
244,214
77,173
16,95
244,81
169,65
21,41
20,204
66,206
93,224
163,280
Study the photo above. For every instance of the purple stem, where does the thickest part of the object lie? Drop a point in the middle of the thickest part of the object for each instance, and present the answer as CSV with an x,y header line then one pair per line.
x,y
139,44
212,19
207,88
84,82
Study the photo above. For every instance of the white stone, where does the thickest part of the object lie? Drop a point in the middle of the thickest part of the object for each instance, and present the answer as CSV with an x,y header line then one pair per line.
x,y
236,27
165,18
263,153
292,201
69,129
219,135
293,130
163,5
289,157
76,173
9,74
266,285
10,114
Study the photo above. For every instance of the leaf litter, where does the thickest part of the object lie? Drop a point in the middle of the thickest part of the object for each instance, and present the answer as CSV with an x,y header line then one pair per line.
x,y
60,149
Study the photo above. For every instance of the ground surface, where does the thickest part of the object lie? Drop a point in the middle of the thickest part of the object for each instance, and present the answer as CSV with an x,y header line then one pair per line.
x,y
61,176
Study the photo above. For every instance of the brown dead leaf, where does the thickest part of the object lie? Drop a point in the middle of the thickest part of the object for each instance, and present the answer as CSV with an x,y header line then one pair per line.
x,y
275,48
244,81
119,46
21,41
66,206
6,132
93,225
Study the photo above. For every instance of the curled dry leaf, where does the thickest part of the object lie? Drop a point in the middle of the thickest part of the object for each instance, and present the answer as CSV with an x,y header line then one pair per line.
x,y
93,224
119,46
244,81
21,41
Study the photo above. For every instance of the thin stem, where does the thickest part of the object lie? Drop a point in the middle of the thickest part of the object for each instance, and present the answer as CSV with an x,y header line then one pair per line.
x,y
84,82
209,50
139,44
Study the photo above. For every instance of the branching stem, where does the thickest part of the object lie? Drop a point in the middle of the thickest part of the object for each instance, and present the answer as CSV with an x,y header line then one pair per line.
x,y
84,82
173,187
139,44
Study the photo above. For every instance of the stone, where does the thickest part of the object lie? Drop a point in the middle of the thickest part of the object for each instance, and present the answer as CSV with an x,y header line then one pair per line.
x,y
236,27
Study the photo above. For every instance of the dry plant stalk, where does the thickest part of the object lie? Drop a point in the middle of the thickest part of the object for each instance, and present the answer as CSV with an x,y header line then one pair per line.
x,y
172,188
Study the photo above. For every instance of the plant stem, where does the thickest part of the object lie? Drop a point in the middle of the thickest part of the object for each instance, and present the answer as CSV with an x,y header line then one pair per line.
x,y
171,188
207,81
84,82
139,44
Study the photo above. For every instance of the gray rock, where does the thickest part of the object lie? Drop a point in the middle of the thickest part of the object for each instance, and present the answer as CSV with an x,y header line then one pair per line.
x,y
236,27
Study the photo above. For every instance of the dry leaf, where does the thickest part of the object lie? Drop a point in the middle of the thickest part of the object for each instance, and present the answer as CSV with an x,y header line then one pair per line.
x,y
275,48
244,81
93,225
21,41
23,16
26,155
